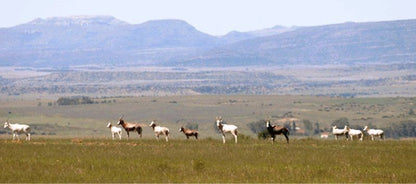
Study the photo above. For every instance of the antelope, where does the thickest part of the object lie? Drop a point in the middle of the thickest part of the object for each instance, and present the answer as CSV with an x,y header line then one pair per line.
x,y
160,130
353,132
114,131
17,129
224,128
374,132
277,130
189,132
130,127
339,132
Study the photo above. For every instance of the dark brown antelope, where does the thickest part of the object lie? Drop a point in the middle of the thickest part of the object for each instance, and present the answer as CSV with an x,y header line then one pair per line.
x,y
130,127
189,132
277,130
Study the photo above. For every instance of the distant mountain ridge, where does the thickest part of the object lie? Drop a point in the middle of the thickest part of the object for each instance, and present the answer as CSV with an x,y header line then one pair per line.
x,y
105,40
346,44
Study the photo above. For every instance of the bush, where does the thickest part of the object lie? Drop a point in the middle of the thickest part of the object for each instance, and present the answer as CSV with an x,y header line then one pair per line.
x,y
74,100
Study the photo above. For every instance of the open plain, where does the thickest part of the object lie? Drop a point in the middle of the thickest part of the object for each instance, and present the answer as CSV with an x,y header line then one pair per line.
x,y
71,143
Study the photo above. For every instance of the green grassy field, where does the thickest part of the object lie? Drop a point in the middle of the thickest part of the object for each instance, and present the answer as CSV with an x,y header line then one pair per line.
x,y
207,160
174,111
72,143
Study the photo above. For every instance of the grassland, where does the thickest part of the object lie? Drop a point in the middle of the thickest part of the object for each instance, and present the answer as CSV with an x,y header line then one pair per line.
x,y
174,111
208,160
72,144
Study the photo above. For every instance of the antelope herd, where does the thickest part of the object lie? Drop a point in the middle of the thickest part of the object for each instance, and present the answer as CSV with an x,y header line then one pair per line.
x,y
222,127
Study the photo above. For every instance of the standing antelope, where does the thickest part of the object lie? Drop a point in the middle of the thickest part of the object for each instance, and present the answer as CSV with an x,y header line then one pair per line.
x,y
353,132
224,128
374,132
114,131
160,130
277,130
17,129
339,132
130,127
189,132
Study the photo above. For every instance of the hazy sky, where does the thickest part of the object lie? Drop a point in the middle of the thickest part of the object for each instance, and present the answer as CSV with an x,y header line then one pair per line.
x,y
215,17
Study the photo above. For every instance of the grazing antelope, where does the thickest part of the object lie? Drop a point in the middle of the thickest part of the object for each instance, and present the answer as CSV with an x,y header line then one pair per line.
x,y
374,132
189,132
130,127
277,130
114,131
339,132
17,129
160,130
224,128
353,132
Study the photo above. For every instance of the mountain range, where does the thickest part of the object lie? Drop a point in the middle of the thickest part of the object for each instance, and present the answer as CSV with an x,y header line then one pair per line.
x,y
105,40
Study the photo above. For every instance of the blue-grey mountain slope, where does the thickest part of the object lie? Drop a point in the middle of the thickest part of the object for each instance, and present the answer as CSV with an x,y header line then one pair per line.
x,y
347,44
104,40
98,40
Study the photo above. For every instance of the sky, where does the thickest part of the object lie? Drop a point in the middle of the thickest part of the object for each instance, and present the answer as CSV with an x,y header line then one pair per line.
x,y
215,17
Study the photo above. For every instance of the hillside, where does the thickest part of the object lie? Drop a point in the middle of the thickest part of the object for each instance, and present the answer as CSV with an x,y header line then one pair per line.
x,y
97,40
345,44
105,40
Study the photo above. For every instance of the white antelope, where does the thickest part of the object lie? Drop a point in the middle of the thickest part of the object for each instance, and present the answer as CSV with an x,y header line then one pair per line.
x,y
374,132
160,130
224,128
353,132
114,131
339,132
17,129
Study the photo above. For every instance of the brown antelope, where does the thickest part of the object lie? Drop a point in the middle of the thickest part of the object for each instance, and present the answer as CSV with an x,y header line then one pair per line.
x,y
277,130
189,132
130,127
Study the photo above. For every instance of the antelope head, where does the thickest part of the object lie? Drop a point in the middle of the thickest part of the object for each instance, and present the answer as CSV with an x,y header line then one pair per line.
x,y
268,124
219,121
120,121
152,124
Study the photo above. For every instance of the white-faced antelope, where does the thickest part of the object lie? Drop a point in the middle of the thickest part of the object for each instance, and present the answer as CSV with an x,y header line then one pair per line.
x,y
339,132
17,129
355,133
374,132
189,132
225,128
160,131
130,127
114,131
277,130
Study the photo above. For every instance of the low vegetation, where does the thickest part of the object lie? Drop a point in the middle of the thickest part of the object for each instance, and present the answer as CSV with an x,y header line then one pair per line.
x,y
207,160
